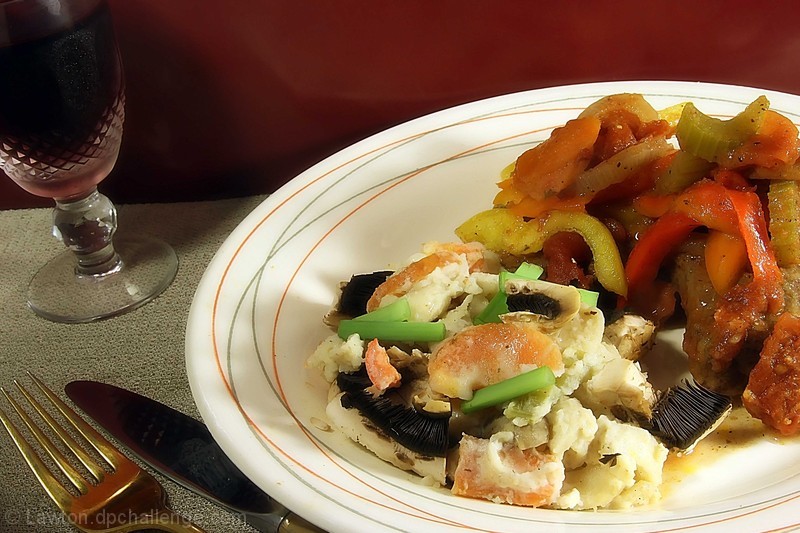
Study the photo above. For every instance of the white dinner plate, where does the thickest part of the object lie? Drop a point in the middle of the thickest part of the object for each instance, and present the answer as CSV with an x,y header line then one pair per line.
x,y
257,316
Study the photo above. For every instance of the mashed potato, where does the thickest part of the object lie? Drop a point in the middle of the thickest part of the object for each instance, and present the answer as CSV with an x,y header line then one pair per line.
x,y
561,446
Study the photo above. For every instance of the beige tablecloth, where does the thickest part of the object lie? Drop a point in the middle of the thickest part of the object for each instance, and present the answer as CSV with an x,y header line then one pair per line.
x,y
142,350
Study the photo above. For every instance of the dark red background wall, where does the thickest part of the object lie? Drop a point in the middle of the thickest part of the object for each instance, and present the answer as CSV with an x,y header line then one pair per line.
x,y
237,102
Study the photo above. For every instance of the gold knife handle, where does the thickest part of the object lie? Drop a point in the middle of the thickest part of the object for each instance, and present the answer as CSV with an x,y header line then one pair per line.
x,y
292,523
280,520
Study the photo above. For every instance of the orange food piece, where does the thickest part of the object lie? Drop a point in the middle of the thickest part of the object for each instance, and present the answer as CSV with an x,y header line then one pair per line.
x,y
773,391
400,282
776,144
379,369
553,165
479,356
725,258
530,208
707,202
476,477
653,205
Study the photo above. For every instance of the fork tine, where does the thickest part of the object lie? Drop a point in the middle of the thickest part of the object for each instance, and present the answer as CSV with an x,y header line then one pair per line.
x,y
51,485
92,436
55,454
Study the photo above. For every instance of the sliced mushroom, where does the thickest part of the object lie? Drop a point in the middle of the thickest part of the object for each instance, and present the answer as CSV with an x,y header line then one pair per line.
x,y
549,304
410,435
360,429
354,295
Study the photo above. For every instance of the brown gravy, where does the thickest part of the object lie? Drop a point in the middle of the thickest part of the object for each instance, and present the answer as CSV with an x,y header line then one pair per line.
x,y
738,431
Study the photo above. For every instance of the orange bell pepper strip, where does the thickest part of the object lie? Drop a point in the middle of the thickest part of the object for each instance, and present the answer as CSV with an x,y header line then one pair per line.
x,y
707,202
725,258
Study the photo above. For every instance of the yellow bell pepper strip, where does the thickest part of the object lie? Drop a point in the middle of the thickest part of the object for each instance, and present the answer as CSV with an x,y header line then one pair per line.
x,y
502,231
607,262
784,221
725,258
713,139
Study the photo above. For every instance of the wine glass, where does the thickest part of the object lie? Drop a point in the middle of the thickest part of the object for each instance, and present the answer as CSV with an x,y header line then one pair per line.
x,y
62,107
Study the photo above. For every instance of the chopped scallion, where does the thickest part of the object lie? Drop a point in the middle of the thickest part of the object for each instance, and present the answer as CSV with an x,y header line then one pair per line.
x,y
393,331
589,298
509,389
523,271
397,311
491,313
497,305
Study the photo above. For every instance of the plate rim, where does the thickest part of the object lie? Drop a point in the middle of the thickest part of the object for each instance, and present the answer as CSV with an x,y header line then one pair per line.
x,y
194,340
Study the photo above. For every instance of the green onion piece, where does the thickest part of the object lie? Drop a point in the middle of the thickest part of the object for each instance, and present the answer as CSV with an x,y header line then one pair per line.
x,y
509,389
491,313
393,331
523,271
497,305
712,138
397,311
589,298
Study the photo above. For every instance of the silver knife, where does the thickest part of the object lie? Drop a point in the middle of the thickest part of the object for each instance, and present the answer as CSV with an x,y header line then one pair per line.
x,y
182,449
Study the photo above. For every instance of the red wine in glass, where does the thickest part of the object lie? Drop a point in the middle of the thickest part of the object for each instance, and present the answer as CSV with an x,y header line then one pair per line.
x,y
62,109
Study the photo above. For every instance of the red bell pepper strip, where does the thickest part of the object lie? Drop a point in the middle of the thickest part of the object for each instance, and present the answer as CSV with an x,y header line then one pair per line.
x,y
654,245
712,205
753,228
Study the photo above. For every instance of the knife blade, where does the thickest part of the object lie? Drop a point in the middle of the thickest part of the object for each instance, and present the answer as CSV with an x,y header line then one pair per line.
x,y
182,448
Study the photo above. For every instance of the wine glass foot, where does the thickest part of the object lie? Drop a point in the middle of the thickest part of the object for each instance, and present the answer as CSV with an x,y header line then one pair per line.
x,y
57,293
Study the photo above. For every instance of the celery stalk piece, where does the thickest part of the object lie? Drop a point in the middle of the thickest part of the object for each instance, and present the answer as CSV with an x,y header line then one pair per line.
x,y
397,311
393,331
684,170
712,138
509,389
784,221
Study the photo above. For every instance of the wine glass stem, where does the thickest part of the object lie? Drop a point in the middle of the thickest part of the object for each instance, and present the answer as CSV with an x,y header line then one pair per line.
x,y
86,226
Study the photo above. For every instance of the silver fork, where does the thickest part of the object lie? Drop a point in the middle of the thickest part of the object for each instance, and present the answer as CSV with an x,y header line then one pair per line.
x,y
119,497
